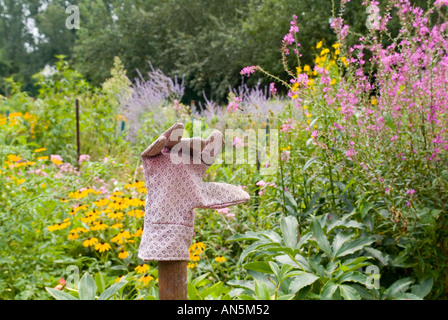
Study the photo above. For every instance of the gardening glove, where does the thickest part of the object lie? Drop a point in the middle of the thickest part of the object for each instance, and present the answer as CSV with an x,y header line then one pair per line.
x,y
174,167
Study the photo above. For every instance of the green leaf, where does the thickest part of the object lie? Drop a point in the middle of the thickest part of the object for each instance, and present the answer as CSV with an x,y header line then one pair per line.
x,y
399,287
201,280
113,289
309,163
192,292
262,267
250,235
364,209
290,199
254,247
353,277
300,261
340,239
353,246
290,227
99,280
215,290
59,295
328,290
320,238
285,297
302,281
349,293
275,269
261,291
407,296
242,284
424,288
87,287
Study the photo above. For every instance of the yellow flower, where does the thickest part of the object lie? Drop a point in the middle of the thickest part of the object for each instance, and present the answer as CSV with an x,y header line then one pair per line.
x,y
138,233
43,158
118,279
294,96
324,52
191,265
121,237
374,101
306,68
20,181
319,45
333,82
142,268
102,246
116,226
220,259
146,279
39,150
43,185
309,115
13,158
116,215
90,242
101,203
59,226
142,190
336,45
123,255
73,236
99,226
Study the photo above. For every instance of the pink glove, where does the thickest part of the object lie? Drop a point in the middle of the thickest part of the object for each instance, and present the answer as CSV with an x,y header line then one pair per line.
x,y
175,189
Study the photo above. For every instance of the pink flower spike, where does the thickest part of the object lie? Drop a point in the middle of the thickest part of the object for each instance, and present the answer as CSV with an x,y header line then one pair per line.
x,y
249,70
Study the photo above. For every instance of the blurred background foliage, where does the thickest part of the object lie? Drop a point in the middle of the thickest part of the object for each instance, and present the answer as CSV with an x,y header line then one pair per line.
x,y
207,41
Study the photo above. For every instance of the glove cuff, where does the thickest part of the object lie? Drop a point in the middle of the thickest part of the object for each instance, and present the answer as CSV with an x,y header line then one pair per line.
x,y
165,242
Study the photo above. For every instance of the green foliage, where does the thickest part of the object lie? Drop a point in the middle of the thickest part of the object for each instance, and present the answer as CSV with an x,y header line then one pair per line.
x,y
88,289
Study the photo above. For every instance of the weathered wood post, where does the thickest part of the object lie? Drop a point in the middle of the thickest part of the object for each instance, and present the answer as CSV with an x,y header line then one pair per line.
x,y
172,280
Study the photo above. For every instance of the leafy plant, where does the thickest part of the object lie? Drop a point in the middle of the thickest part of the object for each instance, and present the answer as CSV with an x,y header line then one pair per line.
x,y
89,289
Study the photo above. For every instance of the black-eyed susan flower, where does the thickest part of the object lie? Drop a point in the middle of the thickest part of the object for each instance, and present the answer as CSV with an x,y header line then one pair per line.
x,y
99,225
142,268
39,150
121,237
116,215
101,203
102,247
116,226
60,226
220,259
123,255
139,213
138,233
90,242
146,279
73,235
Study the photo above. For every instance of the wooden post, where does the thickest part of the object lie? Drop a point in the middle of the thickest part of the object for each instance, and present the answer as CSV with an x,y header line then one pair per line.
x,y
77,131
173,280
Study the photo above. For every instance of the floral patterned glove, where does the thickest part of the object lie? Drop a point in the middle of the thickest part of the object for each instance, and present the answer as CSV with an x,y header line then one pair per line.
x,y
174,168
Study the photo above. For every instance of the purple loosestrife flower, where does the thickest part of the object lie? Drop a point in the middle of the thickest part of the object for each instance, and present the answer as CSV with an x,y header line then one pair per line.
x,y
249,70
